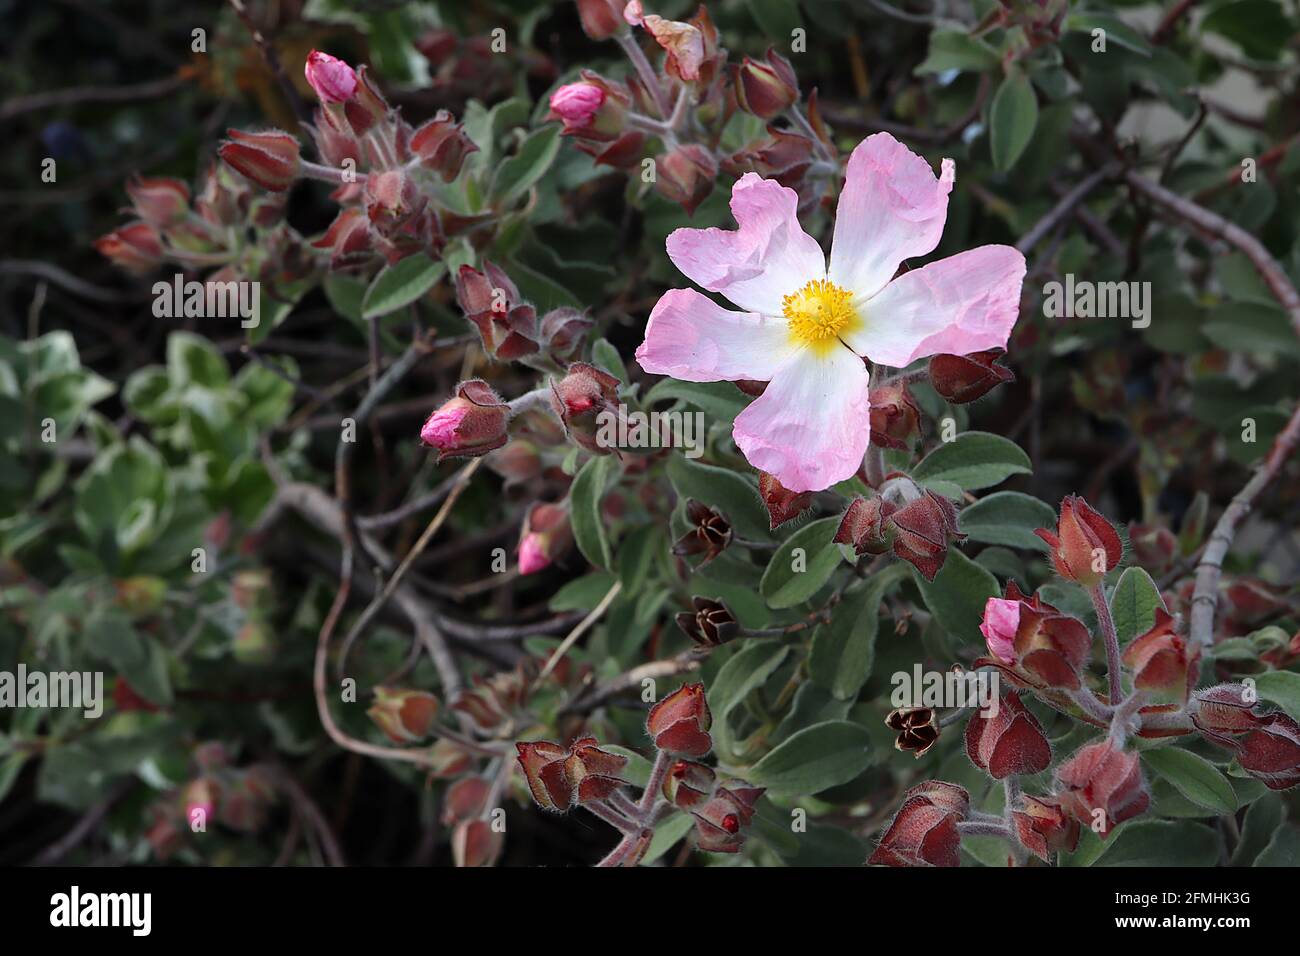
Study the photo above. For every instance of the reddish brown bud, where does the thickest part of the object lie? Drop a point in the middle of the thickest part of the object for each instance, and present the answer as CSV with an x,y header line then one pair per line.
x,y
766,89
781,155
963,378
710,624
442,145
601,19
924,831
406,716
471,424
687,784
1085,545
866,526
476,843
1163,662
392,199
160,201
563,330
680,722
1044,827
347,238
135,247
721,820
580,399
686,176
1102,787
895,419
491,301
560,778
1008,742
269,159
923,527
782,503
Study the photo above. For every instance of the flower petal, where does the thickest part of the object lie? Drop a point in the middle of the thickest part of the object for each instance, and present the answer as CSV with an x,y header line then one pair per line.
x,y
965,303
692,338
757,265
809,429
892,208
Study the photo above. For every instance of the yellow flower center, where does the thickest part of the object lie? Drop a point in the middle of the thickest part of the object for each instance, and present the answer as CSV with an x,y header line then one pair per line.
x,y
819,314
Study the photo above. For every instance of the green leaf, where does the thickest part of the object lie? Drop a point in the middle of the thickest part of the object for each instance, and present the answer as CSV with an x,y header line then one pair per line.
x,y
957,595
973,460
1282,850
1282,688
730,493
1133,604
844,650
606,356
1117,31
135,657
957,50
666,836
584,510
1259,27
1008,518
722,400
520,172
1194,777
1012,118
193,360
1161,843
815,759
804,562
1263,817
777,19
582,594
743,673
400,284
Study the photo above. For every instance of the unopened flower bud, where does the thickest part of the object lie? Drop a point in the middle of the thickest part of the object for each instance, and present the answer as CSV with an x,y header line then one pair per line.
x,y
686,176
1164,663
924,832
491,301
963,378
1044,827
471,424
688,783
135,247
866,526
392,199
406,716
895,419
270,159
580,399
923,528
1010,741
332,79
766,89
442,145
1102,786
782,503
601,19
560,778
1085,545
546,537
563,330
587,110
721,820
680,722
159,201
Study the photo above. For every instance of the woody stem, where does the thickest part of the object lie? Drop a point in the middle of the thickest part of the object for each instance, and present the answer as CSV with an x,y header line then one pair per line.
x,y
617,855
646,73
328,173
1098,595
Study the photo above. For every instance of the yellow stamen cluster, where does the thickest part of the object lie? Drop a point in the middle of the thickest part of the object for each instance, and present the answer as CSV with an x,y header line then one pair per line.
x,y
819,313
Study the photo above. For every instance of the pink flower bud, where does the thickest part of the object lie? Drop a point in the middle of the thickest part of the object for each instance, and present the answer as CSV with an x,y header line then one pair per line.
x,y
1085,545
332,79
577,103
545,536
471,424
532,554
1001,621
160,201
1102,786
580,398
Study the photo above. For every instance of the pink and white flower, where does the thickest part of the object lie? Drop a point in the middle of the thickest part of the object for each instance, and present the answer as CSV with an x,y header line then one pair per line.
x,y
806,326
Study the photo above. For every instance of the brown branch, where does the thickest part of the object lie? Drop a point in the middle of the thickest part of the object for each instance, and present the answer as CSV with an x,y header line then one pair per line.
x,y
273,63
1063,208
151,90
1205,595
